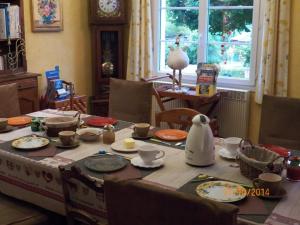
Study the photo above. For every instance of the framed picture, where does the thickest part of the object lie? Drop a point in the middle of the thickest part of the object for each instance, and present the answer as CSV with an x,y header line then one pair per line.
x,y
46,15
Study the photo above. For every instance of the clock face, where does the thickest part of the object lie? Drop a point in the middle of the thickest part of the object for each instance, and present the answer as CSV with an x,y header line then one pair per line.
x,y
108,8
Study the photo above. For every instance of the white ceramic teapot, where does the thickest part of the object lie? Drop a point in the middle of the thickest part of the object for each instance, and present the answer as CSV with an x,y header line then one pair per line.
x,y
199,149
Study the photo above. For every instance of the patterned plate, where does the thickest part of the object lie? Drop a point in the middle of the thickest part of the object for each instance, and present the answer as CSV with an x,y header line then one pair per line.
x,y
30,143
101,121
171,134
19,121
105,163
221,191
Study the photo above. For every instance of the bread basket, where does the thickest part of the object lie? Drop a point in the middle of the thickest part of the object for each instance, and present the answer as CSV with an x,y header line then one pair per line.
x,y
56,124
255,160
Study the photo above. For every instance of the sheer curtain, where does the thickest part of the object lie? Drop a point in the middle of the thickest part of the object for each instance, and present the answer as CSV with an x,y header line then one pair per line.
x,y
273,73
140,46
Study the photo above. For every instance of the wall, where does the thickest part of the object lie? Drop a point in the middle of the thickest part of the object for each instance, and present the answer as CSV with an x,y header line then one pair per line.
x,y
294,71
70,48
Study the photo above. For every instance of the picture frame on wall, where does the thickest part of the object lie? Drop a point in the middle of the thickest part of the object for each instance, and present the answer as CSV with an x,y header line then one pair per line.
x,y
47,15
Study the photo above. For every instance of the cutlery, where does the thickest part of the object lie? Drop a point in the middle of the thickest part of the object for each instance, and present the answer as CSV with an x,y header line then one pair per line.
x,y
179,143
159,141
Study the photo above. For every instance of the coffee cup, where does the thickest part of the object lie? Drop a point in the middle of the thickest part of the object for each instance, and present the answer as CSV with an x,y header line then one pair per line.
x,y
67,138
149,153
232,144
269,182
141,129
3,123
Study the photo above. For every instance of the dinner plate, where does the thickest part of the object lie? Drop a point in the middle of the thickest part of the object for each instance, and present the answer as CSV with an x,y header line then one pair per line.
x,y
120,147
105,163
19,121
221,191
101,121
138,162
226,154
30,143
171,134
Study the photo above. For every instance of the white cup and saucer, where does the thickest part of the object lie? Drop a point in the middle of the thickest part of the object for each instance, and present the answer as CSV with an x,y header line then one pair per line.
x,y
230,148
149,157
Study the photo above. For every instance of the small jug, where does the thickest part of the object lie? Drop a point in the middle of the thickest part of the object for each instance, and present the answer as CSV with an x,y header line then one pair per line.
x,y
108,134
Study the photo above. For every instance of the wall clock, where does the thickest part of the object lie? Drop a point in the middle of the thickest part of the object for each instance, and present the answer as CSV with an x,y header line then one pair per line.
x,y
107,12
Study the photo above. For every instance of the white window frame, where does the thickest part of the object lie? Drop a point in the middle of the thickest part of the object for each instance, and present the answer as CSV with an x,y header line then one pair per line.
x,y
203,6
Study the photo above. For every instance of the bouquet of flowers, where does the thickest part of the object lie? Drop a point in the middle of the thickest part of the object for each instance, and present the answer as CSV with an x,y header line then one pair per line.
x,y
47,10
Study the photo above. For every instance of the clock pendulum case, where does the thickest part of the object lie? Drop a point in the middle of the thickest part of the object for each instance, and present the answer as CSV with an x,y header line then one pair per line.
x,y
107,19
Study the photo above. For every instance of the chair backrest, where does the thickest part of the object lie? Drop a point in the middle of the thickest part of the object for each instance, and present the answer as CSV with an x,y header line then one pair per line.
x,y
9,104
130,100
155,93
73,210
134,202
179,116
280,123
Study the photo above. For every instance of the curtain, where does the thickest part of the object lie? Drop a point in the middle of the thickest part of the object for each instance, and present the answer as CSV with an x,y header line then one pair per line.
x,y
140,47
273,72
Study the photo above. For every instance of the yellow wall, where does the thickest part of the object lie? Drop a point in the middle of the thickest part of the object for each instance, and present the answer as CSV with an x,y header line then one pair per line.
x,y
72,51
294,71
70,48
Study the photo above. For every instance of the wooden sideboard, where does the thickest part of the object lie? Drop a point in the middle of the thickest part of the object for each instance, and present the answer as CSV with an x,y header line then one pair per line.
x,y
27,88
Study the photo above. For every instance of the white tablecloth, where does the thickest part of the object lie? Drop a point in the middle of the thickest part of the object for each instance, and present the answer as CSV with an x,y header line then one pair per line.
x,y
39,182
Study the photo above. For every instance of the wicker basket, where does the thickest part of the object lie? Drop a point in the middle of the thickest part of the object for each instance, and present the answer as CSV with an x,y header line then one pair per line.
x,y
255,160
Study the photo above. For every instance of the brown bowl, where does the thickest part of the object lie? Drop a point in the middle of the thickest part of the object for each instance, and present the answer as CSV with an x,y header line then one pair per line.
x,y
57,124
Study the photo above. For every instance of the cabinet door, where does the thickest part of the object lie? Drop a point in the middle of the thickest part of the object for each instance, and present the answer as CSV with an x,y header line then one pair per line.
x,y
28,99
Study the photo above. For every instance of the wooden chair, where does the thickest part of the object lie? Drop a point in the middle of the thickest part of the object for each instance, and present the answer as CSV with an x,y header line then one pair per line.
x,y
130,100
182,117
9,104
139,203
160,100
179,116
73,210
280,123
13,211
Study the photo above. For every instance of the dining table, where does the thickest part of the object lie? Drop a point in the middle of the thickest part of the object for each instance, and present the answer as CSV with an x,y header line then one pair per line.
x,y
34,177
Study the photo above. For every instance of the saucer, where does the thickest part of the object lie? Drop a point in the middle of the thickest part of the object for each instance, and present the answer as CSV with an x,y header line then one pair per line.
x,y
58,144
223,152
135,136
8,128
281,194
137,161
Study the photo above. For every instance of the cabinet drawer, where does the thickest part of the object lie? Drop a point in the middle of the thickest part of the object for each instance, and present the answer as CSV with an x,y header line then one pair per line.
x,y
27,83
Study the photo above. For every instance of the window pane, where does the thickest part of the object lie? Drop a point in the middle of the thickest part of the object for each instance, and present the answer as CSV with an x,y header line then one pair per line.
x,y
231,2
182,3
230,25
183,22
234,60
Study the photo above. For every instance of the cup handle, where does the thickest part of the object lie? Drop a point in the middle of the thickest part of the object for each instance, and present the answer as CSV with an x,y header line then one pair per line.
x,y
159,157
256,182
134,129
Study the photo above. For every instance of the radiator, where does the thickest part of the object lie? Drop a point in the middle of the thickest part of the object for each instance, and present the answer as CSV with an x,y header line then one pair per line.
x,y
232,112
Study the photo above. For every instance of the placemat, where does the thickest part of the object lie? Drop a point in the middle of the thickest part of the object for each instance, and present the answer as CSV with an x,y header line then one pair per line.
x,y
127,173
251,208
118,126
49,151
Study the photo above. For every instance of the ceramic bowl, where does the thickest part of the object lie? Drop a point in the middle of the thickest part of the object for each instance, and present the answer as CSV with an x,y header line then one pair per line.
x,y
89,134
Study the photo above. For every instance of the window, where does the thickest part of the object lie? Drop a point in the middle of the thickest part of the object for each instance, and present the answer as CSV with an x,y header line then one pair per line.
x,y
215,31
